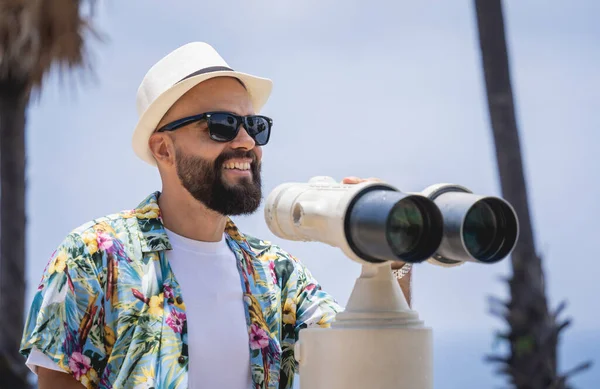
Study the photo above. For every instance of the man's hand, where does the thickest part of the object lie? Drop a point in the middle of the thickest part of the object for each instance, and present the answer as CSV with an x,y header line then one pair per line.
x,y
356,180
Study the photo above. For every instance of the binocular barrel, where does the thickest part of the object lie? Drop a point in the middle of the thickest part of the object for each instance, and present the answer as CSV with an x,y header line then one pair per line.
x,y
385,225
477,228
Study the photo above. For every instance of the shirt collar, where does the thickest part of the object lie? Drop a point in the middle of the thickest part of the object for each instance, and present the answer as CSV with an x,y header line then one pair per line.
x,y
153,234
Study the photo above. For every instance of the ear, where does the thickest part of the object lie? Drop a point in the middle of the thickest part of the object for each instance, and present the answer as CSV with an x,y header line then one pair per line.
x,y
161,146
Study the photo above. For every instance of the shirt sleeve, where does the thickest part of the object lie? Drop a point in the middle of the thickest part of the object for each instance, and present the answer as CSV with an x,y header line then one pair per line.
x,y
314,306
37,358
304,304
66,318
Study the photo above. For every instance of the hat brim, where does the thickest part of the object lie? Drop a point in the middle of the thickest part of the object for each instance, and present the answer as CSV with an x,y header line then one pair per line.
x,y
258,88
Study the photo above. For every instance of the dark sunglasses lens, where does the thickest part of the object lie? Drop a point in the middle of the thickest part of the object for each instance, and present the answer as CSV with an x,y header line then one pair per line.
x,y
259,128
222,127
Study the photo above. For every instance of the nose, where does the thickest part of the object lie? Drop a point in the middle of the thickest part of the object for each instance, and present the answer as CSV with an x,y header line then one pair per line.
x,y
243,140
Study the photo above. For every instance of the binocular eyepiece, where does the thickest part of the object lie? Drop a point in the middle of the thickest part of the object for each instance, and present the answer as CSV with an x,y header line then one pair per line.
x,y
446,224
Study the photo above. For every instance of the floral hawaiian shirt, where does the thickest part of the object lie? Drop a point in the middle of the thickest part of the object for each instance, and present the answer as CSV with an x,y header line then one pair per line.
x,y
109,310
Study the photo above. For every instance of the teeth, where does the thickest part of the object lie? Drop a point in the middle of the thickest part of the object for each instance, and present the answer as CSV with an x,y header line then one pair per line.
x,y
237,165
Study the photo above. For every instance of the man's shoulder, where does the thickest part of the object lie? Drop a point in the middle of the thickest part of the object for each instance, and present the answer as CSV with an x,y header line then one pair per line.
x,y
101,233
128,221
118,222
267,250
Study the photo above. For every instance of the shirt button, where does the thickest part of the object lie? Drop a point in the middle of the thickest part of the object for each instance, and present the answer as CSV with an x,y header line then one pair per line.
x,y
181,360
179,300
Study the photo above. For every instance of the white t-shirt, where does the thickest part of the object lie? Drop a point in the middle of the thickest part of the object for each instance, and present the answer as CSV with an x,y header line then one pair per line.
x,y
218,343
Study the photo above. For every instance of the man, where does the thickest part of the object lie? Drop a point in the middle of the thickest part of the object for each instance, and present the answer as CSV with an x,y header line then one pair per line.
x,y
171,294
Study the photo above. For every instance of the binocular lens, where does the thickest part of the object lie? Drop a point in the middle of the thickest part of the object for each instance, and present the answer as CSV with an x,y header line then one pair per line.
x,y
405,226
410,230
488,230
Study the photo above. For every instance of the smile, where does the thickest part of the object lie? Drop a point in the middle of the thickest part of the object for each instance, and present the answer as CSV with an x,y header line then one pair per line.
x,y
237,165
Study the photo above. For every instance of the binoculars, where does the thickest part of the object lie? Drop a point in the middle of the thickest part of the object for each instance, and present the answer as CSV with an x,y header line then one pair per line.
x,y
374,222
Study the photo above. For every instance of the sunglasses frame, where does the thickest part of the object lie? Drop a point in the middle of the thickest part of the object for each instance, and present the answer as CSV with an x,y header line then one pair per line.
x,y
242,120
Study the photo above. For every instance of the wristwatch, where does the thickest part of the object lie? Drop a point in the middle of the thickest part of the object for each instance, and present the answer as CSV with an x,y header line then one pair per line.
x,y
401,272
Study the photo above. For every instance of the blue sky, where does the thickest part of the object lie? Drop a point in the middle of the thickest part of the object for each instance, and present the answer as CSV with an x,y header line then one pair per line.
x,y
356,85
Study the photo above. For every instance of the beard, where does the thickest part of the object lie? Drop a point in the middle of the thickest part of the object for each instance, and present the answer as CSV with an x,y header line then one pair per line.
x,y
204,180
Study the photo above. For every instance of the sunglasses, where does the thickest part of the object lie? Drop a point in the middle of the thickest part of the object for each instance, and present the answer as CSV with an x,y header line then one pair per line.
x,y
224,126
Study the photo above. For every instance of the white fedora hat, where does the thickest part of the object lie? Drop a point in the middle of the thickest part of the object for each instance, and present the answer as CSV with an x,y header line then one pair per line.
x,y
174,75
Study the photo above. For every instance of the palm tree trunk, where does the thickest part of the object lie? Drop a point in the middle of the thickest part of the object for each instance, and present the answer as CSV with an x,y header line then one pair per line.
x,y
533,330
13,103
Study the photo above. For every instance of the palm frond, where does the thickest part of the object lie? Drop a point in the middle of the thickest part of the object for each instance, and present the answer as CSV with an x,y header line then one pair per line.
x,y
37,35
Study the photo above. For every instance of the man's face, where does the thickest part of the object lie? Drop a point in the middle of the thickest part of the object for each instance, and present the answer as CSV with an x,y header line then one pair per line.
x,y
225,177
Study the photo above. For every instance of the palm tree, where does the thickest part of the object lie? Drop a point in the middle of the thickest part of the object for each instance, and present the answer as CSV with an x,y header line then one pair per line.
x,y
533,330
35,36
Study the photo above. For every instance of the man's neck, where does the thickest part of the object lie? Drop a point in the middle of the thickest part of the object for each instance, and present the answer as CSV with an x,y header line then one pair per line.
x,y
186,216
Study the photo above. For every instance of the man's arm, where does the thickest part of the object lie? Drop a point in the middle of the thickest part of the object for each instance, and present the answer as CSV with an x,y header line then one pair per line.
x,y
52,379
66,309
